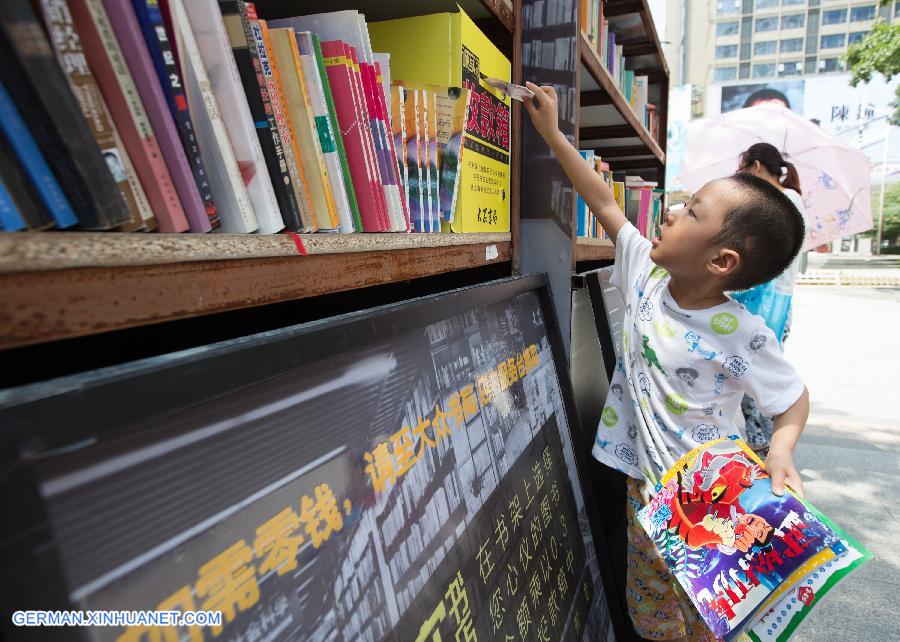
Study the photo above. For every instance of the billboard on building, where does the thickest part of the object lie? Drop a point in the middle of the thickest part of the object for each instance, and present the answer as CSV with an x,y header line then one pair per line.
x,y
787,92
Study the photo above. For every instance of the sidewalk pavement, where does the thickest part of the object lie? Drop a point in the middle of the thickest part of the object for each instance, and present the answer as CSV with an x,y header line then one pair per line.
x,y
845,343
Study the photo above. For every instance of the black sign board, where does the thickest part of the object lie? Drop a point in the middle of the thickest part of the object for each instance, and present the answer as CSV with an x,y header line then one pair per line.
x,y
408,473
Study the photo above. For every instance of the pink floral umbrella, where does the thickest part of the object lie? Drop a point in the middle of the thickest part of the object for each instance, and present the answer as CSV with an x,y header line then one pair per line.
x,y
834,177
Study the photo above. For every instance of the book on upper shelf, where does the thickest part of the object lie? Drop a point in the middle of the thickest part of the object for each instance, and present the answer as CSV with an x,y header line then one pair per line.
x,y
748,560
419,49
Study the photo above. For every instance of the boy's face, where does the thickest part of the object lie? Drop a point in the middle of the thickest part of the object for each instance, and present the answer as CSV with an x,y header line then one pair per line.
x,y
684,246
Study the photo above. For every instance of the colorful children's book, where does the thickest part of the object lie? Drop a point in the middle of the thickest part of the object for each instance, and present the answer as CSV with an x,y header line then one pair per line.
x,y
749,560
452,105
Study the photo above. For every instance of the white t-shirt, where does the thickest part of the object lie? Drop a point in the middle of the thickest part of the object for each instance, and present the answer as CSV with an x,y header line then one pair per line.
x,y
681,374
784,282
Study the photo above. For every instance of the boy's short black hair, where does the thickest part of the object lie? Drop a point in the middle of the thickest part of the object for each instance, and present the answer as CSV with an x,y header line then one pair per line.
x,y
766,229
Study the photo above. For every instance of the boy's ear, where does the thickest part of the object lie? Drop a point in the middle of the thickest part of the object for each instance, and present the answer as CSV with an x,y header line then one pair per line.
x,y
725,263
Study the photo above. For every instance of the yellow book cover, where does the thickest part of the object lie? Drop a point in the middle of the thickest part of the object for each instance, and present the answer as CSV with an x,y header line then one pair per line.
x,y
306,141
619,193
419,49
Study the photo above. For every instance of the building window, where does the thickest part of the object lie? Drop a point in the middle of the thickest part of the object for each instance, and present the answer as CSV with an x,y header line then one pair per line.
x,y
727,7
831,64
833,41
726,51
744,71
791,44
766,70
897,9
725,73
861,14
834,16
729,28
764,48
766,24
792,68
791,3
793,21
856,36
766,4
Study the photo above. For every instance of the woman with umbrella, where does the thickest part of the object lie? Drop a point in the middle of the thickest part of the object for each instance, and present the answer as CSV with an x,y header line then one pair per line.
x,y
771,300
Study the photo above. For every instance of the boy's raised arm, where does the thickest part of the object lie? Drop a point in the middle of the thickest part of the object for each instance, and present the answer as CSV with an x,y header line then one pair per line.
x,y
543,109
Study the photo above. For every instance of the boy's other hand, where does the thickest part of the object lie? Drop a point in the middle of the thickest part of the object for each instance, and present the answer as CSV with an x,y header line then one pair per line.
x,y
781,469
543,109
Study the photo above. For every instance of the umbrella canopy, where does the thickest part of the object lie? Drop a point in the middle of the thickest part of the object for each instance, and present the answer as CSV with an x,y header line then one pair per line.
x,y
834,177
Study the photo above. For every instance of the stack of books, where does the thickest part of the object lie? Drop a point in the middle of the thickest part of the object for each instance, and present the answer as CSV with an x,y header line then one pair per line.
x,y
199,115
602,37
641,201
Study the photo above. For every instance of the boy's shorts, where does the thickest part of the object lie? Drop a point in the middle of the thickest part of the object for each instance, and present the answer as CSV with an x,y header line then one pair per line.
x,y
659,608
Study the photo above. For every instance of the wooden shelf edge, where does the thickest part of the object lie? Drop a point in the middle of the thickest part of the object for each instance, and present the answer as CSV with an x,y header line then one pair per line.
x,y
587,249
41,251
601,76
36,307
501,12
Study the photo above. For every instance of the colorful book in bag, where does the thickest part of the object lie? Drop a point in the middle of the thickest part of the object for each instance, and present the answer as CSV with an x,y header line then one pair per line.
x,y
425,160
342,182
414,159
366,185
44,98
383,95
70,54
237,24
398,138
214,44
41,201
273,98
108,65
307,145
134,49
749,560
434,180
233,201
159,46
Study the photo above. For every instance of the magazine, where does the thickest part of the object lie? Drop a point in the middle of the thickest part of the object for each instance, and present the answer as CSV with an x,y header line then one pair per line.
x,y
750,561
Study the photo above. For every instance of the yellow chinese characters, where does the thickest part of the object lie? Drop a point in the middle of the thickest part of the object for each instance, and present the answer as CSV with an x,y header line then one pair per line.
x,y
507,373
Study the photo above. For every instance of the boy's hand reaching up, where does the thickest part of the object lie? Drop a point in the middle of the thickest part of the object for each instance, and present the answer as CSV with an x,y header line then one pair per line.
x,y
543,110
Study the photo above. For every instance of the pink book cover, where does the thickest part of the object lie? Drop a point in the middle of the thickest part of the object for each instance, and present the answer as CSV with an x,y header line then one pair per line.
x,y
140,144
351,129
380,129
644,210
131,41
377,87
385,115
368,131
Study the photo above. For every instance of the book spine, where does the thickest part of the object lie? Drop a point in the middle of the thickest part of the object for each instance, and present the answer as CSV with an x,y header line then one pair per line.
x,y
129,116
362,114
10,218
398,131
311,84
134,49
386,167
338,73
231,194
136,196
46,187
299,109
42,94
160,48
237,26
273,93
70,55
431,112
392,150
22,191
335,130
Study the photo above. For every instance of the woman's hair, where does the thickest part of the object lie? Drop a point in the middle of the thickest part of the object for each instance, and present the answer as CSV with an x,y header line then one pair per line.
x,y
770,158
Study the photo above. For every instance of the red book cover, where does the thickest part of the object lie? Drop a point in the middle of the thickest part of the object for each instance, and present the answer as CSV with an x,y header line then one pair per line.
x,y
110,69
134,48
369,127
367,189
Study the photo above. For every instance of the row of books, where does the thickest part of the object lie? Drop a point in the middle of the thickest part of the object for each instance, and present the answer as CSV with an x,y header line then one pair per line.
x,y
194,115
634,88
641,201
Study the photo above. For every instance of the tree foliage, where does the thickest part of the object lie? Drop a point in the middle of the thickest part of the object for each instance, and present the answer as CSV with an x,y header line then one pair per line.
x,y
891,229
878,52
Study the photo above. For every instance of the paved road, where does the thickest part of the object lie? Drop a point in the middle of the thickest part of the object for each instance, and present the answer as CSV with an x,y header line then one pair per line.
x,y
846,344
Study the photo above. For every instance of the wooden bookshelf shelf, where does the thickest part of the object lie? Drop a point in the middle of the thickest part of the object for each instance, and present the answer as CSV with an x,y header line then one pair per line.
x,y
58,285
632,127
587,249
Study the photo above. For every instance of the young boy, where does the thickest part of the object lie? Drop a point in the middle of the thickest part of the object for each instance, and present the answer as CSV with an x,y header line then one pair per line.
x,y
689,352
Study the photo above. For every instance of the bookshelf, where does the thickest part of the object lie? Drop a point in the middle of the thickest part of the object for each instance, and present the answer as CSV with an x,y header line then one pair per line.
x,y
63,285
